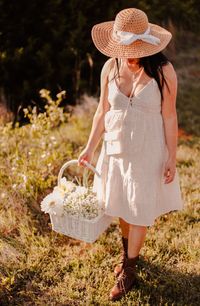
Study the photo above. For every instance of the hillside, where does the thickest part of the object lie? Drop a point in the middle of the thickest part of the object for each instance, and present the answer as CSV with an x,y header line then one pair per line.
x,y
41,267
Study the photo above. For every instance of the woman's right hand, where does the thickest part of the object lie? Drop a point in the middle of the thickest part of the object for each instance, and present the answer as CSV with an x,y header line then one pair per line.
x,y
86,154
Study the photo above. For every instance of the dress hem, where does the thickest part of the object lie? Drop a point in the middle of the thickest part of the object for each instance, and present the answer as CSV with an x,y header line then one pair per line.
x,y
159,215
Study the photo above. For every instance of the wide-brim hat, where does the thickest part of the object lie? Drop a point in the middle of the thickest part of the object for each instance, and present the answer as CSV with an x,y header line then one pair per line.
x,y
130,35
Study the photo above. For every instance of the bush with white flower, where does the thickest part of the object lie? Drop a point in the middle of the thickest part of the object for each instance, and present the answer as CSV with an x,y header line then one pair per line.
x,y
71,199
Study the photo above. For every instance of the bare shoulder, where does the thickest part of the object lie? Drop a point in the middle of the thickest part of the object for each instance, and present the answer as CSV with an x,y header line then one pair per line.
x,y
169,72
104,105
169,91
107,67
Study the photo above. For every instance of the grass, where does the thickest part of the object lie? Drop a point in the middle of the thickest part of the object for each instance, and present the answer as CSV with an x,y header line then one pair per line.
x,y
41,267
187,64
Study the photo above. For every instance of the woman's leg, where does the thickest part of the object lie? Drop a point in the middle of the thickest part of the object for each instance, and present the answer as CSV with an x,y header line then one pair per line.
x,y
136,237
124,227
127,276
124,230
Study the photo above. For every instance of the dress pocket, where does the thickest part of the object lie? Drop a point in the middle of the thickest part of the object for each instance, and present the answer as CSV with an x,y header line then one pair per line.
x,y
113,132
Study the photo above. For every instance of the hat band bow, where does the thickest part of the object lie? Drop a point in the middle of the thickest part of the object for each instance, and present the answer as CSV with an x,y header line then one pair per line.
x,y
127,38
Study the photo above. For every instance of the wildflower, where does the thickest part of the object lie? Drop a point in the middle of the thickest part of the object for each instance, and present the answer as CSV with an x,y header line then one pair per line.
x,y
67,186
81,190
70,199
24,178
61,94
53,204
3,195
44,93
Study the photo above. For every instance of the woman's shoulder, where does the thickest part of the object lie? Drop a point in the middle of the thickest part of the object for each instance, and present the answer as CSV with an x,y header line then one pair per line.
x,y
108,65
169,71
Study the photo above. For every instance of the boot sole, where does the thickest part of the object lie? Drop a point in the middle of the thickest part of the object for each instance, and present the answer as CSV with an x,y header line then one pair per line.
x,y
124,293
119,296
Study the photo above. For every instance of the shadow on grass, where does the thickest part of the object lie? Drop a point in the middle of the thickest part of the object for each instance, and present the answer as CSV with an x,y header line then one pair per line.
x,y
161,285
155,286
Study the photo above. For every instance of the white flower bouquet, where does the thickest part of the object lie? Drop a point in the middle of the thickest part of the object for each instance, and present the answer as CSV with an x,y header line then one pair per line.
x,y
75,210
71,199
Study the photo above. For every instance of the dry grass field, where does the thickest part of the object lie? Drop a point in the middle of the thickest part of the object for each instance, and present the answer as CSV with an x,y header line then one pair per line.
x,y
41,267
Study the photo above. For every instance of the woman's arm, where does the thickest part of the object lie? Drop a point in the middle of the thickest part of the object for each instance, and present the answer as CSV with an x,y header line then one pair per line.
x,y
103,106
98,118
170,120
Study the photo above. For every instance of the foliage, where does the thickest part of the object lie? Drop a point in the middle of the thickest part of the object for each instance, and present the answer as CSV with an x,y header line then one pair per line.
x,y
48,44
39,266
30,153
187,67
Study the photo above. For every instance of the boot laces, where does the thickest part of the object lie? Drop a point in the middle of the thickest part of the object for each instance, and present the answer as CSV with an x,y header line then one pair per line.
x,y
120,280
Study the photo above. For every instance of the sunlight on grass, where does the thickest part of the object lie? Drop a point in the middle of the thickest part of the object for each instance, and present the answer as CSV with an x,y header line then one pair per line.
x,y
41,267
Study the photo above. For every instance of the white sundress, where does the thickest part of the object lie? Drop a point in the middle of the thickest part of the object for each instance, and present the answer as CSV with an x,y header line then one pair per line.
x,y
131,184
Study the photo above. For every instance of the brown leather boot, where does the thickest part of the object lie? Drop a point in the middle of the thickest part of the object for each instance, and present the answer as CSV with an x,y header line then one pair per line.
x,y
119,267
125,280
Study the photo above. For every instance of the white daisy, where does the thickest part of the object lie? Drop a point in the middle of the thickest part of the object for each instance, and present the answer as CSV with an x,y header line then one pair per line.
x,y
59,190
81,190
67,186
53,203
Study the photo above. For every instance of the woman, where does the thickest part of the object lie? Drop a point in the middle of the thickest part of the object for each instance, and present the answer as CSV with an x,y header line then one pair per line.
x,y
137,117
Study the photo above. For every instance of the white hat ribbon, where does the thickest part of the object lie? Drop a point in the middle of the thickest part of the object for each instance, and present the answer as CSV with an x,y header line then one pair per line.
x,y
126,38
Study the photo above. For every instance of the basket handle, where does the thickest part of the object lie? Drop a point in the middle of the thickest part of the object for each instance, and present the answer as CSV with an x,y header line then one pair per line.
x,y
75,161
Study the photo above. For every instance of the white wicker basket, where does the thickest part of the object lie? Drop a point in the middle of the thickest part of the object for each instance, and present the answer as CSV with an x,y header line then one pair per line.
x,y
78,227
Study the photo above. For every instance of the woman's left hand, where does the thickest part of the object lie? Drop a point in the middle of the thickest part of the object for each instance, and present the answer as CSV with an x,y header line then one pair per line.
x,y
170,169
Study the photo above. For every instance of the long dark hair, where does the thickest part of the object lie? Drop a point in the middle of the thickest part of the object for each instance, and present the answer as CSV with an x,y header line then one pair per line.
x,y
153,66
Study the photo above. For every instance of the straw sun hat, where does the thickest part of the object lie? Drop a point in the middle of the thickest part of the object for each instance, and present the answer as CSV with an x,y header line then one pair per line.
x,y
130,35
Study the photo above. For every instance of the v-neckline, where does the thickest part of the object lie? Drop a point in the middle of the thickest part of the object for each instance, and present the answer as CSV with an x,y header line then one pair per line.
x,y
134,95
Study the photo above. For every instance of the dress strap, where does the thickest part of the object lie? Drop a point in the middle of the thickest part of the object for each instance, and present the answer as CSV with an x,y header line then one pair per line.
x,y
112,66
